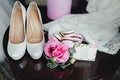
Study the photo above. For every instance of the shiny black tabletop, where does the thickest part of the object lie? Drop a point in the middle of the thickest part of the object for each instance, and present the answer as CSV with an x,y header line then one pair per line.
x,y
28,69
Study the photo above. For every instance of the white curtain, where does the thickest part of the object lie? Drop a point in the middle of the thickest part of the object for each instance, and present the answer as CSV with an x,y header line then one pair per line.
x,y
5,13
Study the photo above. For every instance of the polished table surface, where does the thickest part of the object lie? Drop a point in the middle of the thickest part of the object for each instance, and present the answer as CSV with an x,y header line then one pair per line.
x,y
28,69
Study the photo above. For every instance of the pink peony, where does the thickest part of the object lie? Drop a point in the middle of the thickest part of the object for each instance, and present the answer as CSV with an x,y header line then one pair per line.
x,y
57,50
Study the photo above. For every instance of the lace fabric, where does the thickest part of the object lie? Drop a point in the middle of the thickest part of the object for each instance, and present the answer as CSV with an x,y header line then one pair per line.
x,y
113,45
105,35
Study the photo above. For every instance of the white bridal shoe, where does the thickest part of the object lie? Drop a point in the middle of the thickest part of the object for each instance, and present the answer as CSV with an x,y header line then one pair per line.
x,y
17,42
35,34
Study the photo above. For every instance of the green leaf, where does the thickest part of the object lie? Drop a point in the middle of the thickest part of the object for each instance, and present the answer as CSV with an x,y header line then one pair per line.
x,y
53,60
72,50
66,65
52,65
72,61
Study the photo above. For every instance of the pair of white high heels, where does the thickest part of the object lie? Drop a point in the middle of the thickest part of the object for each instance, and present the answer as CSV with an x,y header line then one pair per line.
x,y
21,38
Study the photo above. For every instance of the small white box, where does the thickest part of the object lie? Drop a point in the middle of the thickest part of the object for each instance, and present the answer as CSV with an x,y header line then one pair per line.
x,y
85,52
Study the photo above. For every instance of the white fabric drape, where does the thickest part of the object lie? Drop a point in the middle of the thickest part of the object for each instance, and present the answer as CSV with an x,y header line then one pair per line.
x,y
96,5
99,27
5,12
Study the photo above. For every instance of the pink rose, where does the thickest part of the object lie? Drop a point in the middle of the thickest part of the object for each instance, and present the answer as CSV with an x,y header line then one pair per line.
x,y
57,50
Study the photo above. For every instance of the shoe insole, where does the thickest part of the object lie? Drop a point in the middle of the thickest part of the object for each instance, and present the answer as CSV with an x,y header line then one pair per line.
x,y
34,26
17,34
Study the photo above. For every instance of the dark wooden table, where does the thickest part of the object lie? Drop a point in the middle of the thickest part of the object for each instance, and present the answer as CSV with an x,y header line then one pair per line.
x,y
28,69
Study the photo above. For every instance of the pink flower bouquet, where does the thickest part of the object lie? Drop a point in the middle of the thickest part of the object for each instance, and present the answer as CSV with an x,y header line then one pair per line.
x,y
64,48
57,53
57,50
